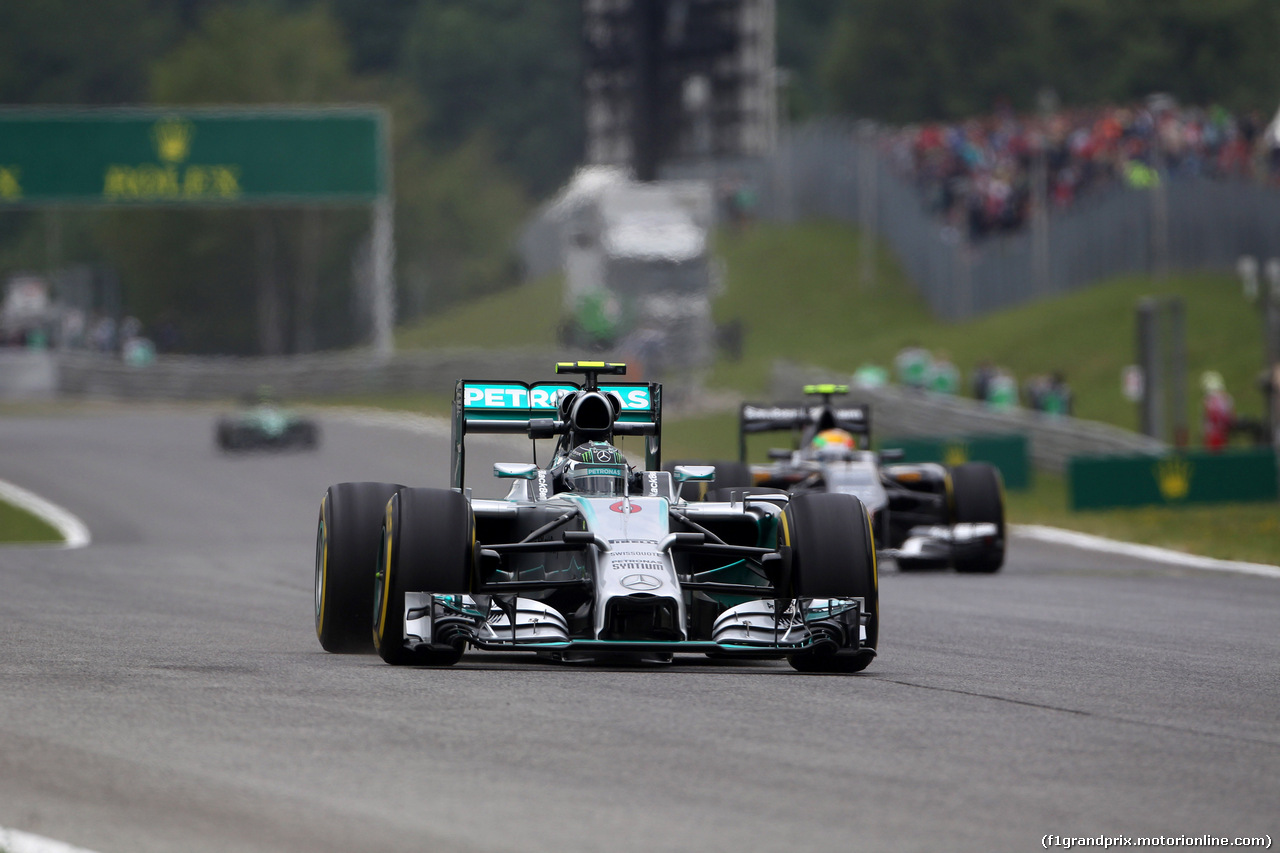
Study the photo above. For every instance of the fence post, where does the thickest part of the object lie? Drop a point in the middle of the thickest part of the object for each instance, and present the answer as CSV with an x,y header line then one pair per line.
x,y
867,203
1149,350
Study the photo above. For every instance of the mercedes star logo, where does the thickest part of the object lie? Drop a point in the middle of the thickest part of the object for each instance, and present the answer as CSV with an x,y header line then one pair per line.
x,y
641,583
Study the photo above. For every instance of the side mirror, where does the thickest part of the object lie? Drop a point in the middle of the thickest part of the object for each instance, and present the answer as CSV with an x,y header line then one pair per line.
x,y
694,473
892,455
780,453
515,470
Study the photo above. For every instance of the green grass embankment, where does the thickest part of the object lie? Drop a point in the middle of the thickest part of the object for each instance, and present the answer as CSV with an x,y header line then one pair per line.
x,y
798,291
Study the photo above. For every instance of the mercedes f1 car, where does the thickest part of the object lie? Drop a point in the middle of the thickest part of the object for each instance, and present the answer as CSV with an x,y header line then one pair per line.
x,y
586,558
263,424
924,515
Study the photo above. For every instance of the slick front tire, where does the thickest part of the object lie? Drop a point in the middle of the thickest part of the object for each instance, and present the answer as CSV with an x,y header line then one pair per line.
x,y
979,498
347,542
428,545
832,556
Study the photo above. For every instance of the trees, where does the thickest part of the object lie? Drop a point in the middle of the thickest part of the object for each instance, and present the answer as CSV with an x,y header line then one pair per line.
x,y
67,52
938,59
507,69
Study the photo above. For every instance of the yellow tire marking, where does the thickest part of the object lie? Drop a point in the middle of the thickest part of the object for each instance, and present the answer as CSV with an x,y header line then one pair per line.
x,y
386,577
324,567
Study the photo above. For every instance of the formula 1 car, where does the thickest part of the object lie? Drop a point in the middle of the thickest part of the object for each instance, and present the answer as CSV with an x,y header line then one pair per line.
x,y
586,558
924,515
264,425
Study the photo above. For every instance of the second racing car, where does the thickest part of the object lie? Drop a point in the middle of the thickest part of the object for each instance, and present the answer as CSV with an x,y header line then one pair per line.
x,y
925,515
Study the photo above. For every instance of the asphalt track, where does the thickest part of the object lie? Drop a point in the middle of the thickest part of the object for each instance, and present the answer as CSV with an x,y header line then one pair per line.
x,y
162,689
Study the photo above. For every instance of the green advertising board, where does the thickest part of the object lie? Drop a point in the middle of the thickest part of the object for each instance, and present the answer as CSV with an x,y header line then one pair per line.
x,y
1174,480
1009,453
192,156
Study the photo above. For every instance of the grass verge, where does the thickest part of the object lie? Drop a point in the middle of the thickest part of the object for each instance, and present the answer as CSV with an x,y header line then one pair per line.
x,y
1239,531
18,525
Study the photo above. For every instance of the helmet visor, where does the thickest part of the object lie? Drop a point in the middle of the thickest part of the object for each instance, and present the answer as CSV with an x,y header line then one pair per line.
x,y
595,478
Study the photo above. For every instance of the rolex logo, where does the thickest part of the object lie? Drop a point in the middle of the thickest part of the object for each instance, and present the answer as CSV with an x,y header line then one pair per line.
x,y
955,454
172,138
1174,477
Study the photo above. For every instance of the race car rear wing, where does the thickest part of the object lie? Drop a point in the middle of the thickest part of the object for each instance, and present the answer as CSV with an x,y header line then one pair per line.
x,y
803,421
534,409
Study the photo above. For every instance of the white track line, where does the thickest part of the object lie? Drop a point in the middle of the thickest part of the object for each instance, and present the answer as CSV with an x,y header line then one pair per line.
x,y
73,530
1146,552
13,841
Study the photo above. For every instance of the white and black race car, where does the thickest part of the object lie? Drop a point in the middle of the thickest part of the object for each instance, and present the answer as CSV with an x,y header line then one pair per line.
x,y
924,515
588,558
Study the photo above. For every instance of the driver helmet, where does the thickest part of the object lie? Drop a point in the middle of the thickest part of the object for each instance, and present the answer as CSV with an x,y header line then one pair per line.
x,y
834,443
596,468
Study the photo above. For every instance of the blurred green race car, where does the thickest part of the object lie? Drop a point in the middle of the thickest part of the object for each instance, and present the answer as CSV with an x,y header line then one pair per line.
x,y
266,425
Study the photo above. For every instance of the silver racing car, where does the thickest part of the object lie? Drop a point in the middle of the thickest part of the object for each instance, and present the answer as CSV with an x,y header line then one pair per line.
x,y
588,558
924,515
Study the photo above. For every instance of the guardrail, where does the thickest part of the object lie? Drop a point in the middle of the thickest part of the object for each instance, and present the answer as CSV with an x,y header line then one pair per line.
x,y
27,374
314,375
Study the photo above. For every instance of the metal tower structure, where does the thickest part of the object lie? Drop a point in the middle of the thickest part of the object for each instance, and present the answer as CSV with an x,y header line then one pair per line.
x,y
678,80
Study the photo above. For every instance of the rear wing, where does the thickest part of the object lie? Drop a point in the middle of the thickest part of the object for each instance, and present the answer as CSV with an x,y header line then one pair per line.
x,y
802,421
533,409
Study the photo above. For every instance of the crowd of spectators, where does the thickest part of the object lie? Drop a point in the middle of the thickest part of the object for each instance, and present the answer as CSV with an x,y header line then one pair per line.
x,y
978,173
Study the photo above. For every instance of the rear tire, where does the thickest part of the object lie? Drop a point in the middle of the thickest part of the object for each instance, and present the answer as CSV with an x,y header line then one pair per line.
x,y
832,556
428,543
347,540
979,498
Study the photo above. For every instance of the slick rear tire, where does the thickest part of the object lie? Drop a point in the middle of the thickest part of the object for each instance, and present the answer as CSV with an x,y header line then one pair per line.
x,y
733,475
302,435
347,541
832,556
978,493
428,545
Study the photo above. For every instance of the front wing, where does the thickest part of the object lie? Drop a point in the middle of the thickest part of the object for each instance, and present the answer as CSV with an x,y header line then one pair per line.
x,y
763,628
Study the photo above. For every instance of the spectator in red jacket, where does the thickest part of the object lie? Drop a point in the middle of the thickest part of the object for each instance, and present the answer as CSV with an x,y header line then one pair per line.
x,y
1219,411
